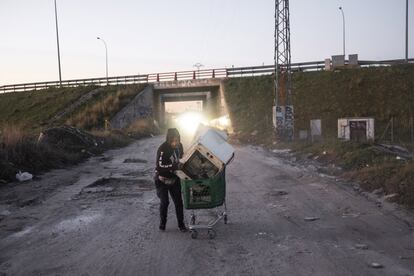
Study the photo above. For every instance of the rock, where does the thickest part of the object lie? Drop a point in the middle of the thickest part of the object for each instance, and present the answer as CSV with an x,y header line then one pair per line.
x,y
361,246
376,265
254,133
311,218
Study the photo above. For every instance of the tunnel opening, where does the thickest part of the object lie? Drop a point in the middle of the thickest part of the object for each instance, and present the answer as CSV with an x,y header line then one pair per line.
x,y
185,107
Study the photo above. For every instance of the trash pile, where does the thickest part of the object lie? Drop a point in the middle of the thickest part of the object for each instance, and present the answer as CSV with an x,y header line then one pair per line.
x,y
69,139
207,156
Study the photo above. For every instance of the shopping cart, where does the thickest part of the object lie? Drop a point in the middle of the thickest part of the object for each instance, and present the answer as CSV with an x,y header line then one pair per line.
x,y
209,193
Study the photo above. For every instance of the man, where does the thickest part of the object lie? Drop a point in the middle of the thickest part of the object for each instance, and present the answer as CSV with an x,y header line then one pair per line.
x,y
168,161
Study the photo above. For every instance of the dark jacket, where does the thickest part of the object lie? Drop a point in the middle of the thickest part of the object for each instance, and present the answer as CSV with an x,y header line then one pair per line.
x,y
167,162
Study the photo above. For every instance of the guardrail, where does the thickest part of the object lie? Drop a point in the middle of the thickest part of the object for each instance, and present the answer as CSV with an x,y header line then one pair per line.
x,y
184,75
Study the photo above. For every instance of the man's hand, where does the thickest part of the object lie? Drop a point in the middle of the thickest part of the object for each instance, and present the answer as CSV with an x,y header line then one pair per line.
x,y
180,166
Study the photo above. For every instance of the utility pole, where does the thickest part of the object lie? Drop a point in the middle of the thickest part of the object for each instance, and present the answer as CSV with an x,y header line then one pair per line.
x,y
406,31
57,39
283,116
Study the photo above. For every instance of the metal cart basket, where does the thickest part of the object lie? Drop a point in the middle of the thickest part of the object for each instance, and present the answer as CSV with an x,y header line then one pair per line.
x,y
206,193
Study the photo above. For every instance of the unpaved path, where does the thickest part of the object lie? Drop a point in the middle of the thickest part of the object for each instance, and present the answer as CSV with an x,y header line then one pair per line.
x,y
101,218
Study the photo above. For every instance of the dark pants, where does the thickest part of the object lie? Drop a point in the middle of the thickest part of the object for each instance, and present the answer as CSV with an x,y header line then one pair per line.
x,y
175,192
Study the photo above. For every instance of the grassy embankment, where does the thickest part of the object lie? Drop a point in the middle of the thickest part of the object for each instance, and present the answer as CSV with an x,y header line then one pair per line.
x,y
24,115
381,93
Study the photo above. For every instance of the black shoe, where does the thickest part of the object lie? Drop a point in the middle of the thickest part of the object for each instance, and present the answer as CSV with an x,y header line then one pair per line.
x,y
183,228
162,227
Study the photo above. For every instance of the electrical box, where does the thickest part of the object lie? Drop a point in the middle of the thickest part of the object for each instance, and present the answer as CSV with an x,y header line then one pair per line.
x,y
356,129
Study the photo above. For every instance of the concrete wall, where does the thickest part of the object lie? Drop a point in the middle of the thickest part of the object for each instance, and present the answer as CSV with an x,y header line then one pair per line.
x,y
140,107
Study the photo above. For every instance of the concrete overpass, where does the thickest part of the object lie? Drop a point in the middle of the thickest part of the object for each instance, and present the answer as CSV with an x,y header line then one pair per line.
x,y
150,103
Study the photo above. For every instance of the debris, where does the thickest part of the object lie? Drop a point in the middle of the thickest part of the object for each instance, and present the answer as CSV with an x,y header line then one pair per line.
x,y
378,191
376,265
361,246
399,152
391,197
254,133
68,138
311,218
25,176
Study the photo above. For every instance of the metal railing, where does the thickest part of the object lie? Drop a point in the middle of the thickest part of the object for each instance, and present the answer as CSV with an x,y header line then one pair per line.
x,y
184,75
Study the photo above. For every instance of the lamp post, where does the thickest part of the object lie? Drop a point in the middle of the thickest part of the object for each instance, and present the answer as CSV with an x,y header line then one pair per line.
x,y
406,31
343,22
198,65
58,51
106,58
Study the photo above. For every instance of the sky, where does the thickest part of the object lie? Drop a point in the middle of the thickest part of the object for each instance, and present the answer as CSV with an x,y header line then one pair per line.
x,y
148,36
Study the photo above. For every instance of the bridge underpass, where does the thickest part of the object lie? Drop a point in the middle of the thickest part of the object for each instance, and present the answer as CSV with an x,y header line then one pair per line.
x,y
210,102
152,101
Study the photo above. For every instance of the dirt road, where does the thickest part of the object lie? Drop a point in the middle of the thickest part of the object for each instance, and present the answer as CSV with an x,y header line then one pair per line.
x,y
101,218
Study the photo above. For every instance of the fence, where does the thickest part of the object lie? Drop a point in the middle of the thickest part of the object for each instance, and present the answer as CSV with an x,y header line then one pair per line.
x,y
183,75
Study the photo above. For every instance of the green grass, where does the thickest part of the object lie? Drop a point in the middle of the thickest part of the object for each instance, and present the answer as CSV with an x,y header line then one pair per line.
x,y
381,93
33,110
250,102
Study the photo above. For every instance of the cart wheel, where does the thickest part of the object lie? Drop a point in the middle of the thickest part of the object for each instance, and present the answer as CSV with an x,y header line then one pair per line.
x,y
194,234
211,234
225,219
193,220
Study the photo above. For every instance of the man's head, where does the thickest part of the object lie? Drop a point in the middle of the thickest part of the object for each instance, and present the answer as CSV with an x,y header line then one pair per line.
x,y
173,137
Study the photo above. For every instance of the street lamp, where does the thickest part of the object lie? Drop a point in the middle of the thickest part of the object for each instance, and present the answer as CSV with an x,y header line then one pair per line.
x,y
57,40
106,58
343,21
198,65
406,31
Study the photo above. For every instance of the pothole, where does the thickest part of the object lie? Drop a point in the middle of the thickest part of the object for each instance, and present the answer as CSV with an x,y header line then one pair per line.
x,y
135,160
116,187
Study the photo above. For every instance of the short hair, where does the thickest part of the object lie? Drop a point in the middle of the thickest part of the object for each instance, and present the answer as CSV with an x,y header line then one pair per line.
x,y
171,134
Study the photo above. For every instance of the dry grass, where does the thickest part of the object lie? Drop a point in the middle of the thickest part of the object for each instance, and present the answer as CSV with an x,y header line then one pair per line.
x,y
11,135
20,152
93,115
